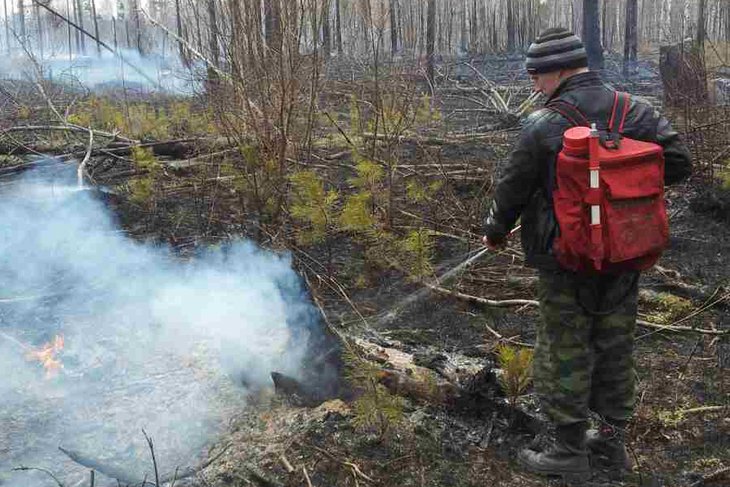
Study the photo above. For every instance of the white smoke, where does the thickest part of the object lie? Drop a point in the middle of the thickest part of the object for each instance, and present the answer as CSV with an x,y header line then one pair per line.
x,y
151,341
150,73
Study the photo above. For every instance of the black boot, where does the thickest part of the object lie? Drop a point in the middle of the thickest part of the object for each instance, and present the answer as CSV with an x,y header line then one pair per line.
x,y
566,456
608,447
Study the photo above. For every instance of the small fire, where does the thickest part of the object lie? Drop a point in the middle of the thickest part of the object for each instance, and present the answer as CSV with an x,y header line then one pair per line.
x,y
46,355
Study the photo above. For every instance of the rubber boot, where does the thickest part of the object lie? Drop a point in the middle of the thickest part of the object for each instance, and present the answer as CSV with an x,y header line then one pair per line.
x,y
565,456
608,447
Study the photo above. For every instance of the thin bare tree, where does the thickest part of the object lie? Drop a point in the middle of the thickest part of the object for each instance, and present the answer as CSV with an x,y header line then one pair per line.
x,y
430,39
592,34
21,19
701,23
7,28
96,27
631,41
78,9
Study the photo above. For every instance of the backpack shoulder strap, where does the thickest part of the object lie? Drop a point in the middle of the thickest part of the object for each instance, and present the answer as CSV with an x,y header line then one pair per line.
x,y
621,103
570,112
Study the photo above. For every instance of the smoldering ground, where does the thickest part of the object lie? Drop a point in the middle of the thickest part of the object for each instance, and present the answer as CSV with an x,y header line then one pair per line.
x,y
150,341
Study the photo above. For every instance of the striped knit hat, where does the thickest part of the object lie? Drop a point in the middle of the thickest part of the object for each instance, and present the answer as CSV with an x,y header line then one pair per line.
x,y
556,49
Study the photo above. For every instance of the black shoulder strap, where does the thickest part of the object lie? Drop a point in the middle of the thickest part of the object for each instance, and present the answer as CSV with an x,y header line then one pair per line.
x,y
621,102
570,112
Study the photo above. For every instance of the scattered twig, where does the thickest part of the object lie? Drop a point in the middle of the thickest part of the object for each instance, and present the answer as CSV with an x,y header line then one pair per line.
x,y
287,466
47,472
337,126
306,476
154,457
501,337
355,469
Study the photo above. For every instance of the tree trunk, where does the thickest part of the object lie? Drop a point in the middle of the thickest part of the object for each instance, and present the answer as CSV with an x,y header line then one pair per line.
x,y
213,45
473,32
272,24
7,28
326,31
630,41
114,32
21,20
510,26
701,24
96,27
592,34
676,21
138,26
68,29
80,23
39,28
393,26
430,39
338,32
180,34
463,46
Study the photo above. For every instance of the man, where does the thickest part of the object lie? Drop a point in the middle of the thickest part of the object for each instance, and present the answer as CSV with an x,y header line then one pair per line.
x,y
584,353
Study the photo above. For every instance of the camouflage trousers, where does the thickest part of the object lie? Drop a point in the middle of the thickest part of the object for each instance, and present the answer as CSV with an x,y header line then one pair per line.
x,y
584,353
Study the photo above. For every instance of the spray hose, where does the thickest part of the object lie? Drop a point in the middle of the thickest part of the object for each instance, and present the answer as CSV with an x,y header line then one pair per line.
x,y
394,310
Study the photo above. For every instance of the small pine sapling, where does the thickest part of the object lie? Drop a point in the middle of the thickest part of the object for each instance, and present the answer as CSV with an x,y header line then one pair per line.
x,y
312,205
516,365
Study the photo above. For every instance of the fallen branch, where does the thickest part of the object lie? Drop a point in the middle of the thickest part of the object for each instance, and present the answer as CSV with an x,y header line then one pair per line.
x,y
704,409
198,160
65,128
678,329
81,171
532,302
187,45
306,476
487,302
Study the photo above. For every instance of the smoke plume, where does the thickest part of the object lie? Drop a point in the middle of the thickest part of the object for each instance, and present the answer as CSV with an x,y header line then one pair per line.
x,y
151,341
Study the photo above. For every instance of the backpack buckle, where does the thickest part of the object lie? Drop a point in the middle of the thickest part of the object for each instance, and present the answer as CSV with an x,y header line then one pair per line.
x,y
611,141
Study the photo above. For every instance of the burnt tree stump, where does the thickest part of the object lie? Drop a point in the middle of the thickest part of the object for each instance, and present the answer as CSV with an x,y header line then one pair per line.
x,y
682,68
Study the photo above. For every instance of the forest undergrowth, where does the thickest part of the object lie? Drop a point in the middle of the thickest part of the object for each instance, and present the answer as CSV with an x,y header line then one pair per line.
x,y
376,186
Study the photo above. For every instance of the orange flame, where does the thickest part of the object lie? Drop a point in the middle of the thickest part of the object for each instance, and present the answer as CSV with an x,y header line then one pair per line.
x,y
46,355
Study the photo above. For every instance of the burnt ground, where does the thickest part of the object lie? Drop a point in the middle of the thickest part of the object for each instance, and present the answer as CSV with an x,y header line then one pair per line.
x,y
681,433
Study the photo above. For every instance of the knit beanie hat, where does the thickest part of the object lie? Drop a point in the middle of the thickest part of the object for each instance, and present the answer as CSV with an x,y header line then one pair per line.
x,y
555,49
